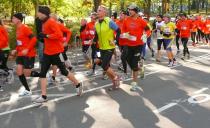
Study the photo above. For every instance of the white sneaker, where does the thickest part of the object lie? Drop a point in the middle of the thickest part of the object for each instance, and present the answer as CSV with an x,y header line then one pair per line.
x,y
25,93
133,86
40,100
174,63
170,64
79,90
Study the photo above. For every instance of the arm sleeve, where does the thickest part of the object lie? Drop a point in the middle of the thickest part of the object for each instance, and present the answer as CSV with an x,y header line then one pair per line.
x,y
67,31
113,25
32,38
95,39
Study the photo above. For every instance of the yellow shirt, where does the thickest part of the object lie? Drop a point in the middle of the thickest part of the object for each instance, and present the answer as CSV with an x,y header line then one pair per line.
x,y
168,28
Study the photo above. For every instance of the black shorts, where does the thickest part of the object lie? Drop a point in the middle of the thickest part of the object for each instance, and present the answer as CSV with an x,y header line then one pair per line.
x,y
159,43
133,56
49,60
27,62
85,48
106,56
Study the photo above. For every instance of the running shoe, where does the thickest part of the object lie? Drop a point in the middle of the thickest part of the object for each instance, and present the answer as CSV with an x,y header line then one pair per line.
x,y
79,90
40,100
25,93
134,86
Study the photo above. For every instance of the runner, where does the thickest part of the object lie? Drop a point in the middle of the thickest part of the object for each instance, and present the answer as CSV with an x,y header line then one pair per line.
x,y
159,35
184,27
66,37
105,28
194,30
122,45
4,54
26,52
177,35
53,49
86,42
168,30
94,46
133,28
207,30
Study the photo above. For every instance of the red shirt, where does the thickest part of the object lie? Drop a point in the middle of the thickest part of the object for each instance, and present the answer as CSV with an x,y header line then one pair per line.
x,y
207,27
85,36
194,27
135,28
3,37
65,30
91,29
184,26
25,41
54,43
122,41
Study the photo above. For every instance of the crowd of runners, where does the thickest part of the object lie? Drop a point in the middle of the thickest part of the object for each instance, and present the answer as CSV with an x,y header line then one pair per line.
x,y
131,32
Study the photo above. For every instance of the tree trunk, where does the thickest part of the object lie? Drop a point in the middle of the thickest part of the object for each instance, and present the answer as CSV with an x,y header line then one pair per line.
x,y
198,6
189,7
96,4
122,4
181,6
147,7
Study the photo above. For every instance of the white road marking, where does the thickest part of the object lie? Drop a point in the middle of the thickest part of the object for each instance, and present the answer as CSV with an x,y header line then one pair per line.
x,y
200,91
94,89
159,110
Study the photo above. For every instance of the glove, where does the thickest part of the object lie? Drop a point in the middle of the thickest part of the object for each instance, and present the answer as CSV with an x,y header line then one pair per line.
x,y
42,35
167,35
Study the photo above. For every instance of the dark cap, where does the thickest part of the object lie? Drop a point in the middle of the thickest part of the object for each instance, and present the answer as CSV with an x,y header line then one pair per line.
x,y
44,10
19,16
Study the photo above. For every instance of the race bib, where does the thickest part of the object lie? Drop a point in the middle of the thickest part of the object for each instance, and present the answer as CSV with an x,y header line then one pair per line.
x,y
98,54
92,32
87,42
19,43
167,30
132,38
184,28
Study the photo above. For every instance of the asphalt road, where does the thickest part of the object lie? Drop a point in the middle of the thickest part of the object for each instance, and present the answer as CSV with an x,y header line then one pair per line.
x,y
177,97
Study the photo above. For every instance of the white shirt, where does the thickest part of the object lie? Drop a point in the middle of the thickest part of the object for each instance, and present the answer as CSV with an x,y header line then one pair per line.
x,y
158,27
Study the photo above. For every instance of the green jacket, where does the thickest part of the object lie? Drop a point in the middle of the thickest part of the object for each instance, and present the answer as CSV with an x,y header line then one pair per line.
x,y
105,34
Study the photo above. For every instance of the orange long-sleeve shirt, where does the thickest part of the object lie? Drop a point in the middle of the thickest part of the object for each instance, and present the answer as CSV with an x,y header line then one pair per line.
x,y
207,27
54,43
65,30
4,39
122,41
25,40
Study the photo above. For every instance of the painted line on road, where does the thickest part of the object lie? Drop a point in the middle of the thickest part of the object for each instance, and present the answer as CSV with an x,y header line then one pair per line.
x,y
94,89
200,91
159,110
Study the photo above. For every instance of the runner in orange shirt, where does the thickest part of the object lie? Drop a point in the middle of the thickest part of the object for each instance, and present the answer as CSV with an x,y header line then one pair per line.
x,y
207,29
25,50
53,49
194,30
66,37
133,27
184,26
122,45
94,46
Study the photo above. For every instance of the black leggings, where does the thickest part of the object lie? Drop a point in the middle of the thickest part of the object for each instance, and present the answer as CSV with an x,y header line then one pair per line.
x,y
184,43
193,36
177,42
207,37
